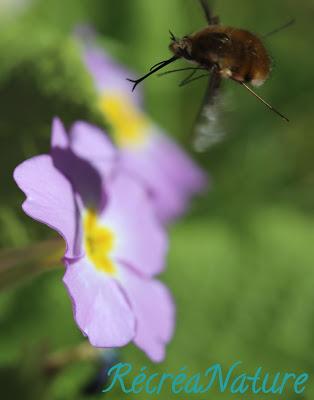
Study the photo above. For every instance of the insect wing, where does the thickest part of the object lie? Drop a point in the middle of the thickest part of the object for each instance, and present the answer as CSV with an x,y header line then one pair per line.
x,y
208,131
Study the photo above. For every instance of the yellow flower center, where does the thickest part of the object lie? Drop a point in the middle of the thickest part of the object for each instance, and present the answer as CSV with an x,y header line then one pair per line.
x,y
129,125
99,242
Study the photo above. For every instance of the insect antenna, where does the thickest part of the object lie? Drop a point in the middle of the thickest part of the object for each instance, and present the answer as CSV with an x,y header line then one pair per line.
x,y
154,69
172,36
263,101
281,28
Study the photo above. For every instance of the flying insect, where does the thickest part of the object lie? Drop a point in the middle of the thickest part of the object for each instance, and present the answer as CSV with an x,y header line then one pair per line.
x,y
221,52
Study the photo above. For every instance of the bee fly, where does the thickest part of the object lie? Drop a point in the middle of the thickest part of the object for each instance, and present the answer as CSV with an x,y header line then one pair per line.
x,y
222,52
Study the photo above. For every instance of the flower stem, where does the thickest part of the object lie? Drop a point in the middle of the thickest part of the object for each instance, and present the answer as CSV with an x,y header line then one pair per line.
x,y
55,362
19,264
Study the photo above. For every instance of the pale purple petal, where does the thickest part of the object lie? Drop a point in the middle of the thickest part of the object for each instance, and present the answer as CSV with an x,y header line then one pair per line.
x,y
141,241
85,32
101,309
108,75
59,137
170,175
178,165
50,200
169,202
92,144
154,311
85,178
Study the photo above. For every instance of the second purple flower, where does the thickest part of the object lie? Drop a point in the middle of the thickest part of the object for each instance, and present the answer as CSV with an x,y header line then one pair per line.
x,y
171,177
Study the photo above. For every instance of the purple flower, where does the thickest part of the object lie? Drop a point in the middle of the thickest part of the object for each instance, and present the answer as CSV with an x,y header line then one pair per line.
x,y
114,244
170,175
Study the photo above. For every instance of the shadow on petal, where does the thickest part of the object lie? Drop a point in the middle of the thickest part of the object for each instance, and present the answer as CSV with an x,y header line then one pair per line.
x,y
85,179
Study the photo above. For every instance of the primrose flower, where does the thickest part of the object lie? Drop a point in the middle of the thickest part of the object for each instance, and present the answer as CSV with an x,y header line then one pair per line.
x,y
147,152
114,243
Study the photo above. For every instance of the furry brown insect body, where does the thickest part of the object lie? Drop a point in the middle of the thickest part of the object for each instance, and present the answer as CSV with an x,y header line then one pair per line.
x,y
222,52
237,53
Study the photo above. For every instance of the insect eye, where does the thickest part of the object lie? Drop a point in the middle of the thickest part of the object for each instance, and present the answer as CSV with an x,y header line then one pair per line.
x,y
225,39
219,38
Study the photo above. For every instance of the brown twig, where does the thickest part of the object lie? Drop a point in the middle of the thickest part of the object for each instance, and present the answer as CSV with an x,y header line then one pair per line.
x,y
19,264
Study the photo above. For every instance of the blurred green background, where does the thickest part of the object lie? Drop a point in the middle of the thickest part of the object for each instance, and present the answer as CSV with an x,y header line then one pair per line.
x,y
241,262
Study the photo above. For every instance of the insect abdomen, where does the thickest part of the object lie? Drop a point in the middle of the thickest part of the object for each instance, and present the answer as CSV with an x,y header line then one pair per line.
x,y
253,61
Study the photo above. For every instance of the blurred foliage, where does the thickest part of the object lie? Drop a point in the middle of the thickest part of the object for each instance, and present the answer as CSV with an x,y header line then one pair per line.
x,y
241,263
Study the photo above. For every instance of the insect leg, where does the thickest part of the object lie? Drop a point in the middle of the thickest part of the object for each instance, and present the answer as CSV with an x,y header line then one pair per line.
x,y
211,19
182,69
188,80
273,109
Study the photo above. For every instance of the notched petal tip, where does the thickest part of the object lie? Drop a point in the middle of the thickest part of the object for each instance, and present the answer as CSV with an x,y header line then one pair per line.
x,y
87,137
154,310
59,137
